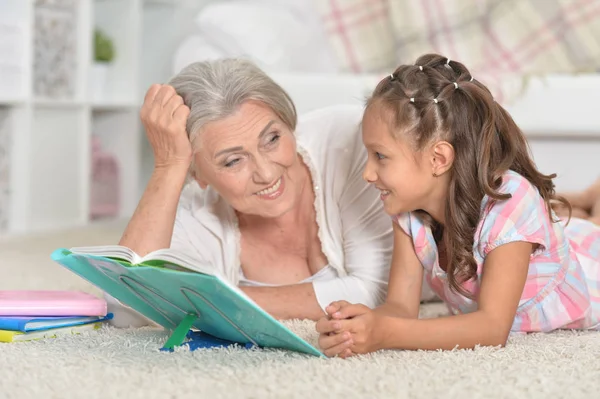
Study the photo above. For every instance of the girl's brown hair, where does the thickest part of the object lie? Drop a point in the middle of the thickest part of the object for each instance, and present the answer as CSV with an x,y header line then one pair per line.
x,y
438,99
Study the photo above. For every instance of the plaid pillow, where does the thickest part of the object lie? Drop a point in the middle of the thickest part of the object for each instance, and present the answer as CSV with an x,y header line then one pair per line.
x,y
501,41
360,33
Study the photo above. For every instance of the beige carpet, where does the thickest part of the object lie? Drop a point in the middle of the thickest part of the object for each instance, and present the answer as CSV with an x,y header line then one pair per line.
x,y
116,363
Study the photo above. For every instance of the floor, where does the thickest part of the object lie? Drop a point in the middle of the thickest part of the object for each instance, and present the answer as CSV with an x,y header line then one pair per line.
x,y
119,363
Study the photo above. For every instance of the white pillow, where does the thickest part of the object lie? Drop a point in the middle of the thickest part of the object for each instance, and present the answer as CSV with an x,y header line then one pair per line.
x,y
279,36
195,48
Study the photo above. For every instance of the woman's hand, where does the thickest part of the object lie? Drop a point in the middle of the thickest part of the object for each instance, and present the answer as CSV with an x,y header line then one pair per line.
x,y
164,116
349,329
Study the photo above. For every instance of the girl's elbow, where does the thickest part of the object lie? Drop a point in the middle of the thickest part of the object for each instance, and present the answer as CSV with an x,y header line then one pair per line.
x,y
498,341
497,336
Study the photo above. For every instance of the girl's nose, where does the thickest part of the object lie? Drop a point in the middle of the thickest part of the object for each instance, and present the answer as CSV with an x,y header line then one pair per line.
x,y
369,174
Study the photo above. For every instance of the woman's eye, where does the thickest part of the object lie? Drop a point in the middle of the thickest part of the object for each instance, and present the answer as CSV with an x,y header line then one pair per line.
x,y
379,155
274,138
232,163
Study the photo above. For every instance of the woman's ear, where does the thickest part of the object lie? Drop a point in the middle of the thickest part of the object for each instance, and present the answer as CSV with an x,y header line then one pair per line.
x,y
196,175
201,182
442,157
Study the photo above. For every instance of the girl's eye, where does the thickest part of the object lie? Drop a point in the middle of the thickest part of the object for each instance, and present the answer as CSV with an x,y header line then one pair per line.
x,y
232,163
379,155
274,138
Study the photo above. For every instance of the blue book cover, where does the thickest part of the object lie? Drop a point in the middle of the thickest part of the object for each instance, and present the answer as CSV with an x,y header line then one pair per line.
x,y
32,323
166,287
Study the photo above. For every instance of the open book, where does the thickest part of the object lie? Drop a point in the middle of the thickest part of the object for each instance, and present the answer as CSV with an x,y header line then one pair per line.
x,y
167,257
172,289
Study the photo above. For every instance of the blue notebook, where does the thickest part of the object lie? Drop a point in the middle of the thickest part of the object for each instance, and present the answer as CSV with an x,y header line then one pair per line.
x,y
29,323
167,286
202,340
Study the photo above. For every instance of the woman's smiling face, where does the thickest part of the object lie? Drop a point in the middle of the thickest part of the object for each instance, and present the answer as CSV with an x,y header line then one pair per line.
x,y
250,159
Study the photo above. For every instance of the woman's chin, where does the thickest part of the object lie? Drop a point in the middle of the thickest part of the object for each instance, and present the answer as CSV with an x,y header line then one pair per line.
x,y
271,208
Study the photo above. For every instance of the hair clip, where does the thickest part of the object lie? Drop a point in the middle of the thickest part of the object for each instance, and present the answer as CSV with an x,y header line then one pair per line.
x,y
420,67
448,61
435,100
391,76
412,99
471,79
455,85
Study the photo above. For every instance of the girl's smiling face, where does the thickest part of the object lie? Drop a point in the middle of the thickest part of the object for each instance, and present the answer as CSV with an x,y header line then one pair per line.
x,y
403,175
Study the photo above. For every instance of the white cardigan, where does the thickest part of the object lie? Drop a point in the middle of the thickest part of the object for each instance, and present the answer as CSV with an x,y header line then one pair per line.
x,y
355,233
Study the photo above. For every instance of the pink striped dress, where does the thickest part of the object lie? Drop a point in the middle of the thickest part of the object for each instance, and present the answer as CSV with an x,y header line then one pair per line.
x,y
562,290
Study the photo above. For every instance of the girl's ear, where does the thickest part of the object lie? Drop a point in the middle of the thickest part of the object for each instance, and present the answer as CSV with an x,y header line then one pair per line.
x,y
442,158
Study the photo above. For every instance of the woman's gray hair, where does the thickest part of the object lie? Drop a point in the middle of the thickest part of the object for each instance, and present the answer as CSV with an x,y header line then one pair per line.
x,y
215,89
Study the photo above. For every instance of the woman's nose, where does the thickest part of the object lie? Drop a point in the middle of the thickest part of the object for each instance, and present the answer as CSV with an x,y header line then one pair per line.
x,y
264,171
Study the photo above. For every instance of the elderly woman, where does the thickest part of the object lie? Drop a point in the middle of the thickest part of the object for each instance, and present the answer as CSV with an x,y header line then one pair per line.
x,y
279,206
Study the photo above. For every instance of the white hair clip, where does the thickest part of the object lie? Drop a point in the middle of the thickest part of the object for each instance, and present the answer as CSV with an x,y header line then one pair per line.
x,y
420,67
471,79
391,76
412,99
448,61
455,85
435,100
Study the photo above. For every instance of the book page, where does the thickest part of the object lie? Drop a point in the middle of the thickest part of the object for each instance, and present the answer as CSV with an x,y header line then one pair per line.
x,y
183,262
109,251
181,259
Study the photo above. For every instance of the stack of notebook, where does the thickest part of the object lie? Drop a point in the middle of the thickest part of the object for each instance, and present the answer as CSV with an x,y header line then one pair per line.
x,y
29,315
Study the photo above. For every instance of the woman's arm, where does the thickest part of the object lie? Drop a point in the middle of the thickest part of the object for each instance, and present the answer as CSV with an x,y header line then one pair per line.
x,y
367,238
503,281
164,117
287,302
151,226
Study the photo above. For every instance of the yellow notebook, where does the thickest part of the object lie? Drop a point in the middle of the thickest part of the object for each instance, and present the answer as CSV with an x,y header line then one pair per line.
x,y
17,336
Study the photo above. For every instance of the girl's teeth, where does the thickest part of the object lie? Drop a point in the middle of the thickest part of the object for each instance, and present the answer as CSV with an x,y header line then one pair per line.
x,y
271,189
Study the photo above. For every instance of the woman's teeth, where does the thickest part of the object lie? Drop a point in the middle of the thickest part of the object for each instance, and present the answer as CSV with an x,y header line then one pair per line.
x,y
271,189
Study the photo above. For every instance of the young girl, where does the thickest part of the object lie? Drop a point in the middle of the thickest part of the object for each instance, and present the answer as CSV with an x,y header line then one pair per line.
x,y
472,215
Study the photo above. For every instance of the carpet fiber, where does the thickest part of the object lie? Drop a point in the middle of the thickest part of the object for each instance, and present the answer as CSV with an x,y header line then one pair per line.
x,y
127,363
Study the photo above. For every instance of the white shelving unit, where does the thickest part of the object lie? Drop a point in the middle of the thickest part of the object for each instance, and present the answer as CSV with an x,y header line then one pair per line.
x,y
47,113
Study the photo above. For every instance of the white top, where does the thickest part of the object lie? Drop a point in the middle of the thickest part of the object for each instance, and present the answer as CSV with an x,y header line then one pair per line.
x,y
356,234
326,273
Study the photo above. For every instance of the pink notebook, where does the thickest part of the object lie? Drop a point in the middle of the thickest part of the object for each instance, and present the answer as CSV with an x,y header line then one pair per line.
x,y
50,303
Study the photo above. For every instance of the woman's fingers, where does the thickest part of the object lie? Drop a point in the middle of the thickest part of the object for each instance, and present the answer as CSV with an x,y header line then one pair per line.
x,y
164,116
151,93
181,114
163,96
171,106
